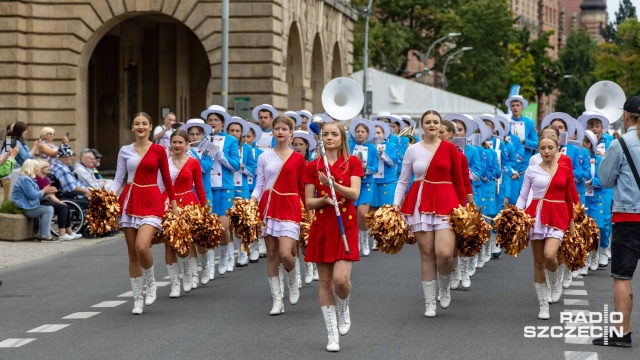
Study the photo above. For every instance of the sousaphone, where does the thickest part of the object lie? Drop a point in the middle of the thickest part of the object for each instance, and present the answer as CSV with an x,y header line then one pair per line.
x,y
342,98
607,98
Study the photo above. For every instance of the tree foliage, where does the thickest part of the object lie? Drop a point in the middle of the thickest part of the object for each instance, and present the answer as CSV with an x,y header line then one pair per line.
x,y
620,62
625,11
577,62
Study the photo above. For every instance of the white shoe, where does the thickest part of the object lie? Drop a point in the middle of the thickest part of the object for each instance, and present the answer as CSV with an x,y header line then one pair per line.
x,y
231,262
566,277
223,260
297,269
608,251
604,259
364,243
138,301
473,262
574,274
487,251
294,290
315,272
211,256
541,290
77,236
262,248
555,284
455,275
150,279
276,294
445,285
593,260
480,259
308,274
584,271
330,320
243,259
173,271
344,316
465,280
193,261
185,267
375,246
429,290
204,276
254,249
66,237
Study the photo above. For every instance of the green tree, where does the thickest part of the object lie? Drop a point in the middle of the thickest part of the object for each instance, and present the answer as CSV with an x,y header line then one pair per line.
x,y
625,11
521,70
576,64
620,62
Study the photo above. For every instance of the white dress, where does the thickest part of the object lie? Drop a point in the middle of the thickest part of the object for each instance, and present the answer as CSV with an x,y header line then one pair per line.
x,y
269,164
128,160
534,186
415,162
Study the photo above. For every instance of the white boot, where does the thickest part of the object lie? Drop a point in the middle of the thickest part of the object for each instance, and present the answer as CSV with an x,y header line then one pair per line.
x,y
473,262
315,272
487,250
429,290
344,316
262,248
173,271
593,261
298,275
138,301
211,256
308,274
276,294
374,247
185,267
204,276
194,272
150,279
542,289
243,259
254,255
364,242
445,285
224,259
455,275
575,274
566,277
480,257
465,280
555,284
231,263
281,276
329,313
294,290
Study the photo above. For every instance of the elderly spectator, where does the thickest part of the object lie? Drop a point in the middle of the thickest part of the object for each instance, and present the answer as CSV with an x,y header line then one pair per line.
x,y
84,170
27,196
162,133
46,148
61,170
617,171
59,208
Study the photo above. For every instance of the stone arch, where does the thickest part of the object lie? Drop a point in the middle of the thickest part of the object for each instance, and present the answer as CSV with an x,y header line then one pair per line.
x,y
336,63
318,73
295,69
190,15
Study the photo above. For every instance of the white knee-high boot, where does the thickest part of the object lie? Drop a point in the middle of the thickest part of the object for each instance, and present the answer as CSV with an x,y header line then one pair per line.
x,y
542,291
138,299
194,272
276,295
185,267
330,320
297,269
204,276
429,289
173,271
150,279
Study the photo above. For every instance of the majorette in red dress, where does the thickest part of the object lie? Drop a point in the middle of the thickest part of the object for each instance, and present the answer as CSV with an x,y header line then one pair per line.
x,y
325,243
464,165
443,188
188,177
565,161
142,194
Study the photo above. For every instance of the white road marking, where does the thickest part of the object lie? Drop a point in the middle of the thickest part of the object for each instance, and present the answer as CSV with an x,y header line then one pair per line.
x,y
14,343
49,328
82,315
109,304
578,312
580,355
577,302
575,292
162,283
127,294
577,283
578,340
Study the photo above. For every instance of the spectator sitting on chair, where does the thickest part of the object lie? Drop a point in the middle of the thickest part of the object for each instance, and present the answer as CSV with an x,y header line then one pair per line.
x,y
83,169
59,208
61,170
96,163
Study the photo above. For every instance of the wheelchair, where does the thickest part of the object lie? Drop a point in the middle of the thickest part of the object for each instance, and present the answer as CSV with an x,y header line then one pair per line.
x,y
78,205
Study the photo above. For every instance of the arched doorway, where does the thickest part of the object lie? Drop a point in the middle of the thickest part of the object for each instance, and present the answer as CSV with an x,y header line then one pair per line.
x,y
317,74
294,69
336,64
151,63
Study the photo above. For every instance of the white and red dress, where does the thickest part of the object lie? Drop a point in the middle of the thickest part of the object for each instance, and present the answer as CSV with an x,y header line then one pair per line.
x,y
141,201
279,189
552,203
438,187
185,181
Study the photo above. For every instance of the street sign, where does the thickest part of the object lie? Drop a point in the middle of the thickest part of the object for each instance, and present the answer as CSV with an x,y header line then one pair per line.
x,y
242,108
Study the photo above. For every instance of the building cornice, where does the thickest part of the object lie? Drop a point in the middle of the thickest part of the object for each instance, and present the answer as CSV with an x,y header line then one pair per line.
x,y
343,6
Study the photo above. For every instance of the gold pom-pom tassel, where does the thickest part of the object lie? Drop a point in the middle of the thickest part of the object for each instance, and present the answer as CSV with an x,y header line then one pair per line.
x,y
512,226
573,251
176,231
305,227
245,222
104,210
472,232
206,228
388,228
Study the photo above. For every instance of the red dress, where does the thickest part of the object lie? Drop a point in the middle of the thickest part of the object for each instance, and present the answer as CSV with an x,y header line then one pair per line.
x,y
282,201
464,164
145,198
325,243
557,202
443,188
565,161
189,176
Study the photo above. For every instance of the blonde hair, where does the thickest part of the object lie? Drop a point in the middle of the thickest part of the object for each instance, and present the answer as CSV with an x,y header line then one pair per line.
x,y
284,120
344,148
29,168
46,130
41,164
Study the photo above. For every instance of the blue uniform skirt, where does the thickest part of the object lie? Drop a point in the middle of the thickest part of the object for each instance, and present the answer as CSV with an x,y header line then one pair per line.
x,y
383,194
366,194
243,193
222,201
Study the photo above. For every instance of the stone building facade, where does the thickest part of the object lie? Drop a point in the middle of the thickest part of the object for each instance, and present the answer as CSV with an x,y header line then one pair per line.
x,y
86,66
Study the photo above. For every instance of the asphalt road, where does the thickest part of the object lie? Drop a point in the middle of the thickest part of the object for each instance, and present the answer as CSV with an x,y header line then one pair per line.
x,y
229,317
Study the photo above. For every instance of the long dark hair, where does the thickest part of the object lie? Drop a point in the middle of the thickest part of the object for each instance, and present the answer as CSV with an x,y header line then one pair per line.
x,y
306,153
18,129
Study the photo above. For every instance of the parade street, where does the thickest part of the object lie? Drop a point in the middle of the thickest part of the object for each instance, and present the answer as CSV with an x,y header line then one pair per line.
x,y
77,306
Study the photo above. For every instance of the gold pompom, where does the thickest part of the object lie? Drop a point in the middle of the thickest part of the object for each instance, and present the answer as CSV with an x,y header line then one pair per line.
x,y
305,226
512,226
388,228
104,210
472,232
574,250
244,221
176,231
206,228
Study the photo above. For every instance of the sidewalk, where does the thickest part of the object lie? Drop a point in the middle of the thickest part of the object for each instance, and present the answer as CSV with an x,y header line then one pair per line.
x,y
14,253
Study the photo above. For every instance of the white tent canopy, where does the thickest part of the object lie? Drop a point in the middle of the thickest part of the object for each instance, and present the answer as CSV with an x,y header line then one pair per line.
x,y
405,97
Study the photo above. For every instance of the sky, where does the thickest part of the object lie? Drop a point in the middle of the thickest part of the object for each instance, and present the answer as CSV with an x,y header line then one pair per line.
x,y
612,7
